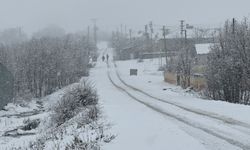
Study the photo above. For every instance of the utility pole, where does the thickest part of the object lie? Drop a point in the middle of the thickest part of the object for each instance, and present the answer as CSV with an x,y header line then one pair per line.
x,y
146,31
188,63
185,37
182,28
151,34
88,30
178,71
165,42
126,31
95,30
130,35
147,38
186,66
234,25
121,29
88,35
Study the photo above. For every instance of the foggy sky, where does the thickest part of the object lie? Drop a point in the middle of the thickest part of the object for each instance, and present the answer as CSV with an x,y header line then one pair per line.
x,y
74,15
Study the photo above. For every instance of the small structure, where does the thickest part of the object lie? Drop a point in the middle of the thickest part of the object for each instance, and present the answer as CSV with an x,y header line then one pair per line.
x,y
6,86
133,72
197,81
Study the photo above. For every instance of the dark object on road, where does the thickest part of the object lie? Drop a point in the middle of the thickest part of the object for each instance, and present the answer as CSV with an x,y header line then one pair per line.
x,y
133,72
107,57
103,58
6,86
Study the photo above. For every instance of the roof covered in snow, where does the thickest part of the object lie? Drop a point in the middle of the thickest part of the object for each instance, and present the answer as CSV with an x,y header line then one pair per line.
x,y
203,48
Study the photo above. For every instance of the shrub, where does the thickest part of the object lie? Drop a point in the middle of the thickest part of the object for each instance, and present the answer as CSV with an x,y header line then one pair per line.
x,y
31,124
78,144
81,96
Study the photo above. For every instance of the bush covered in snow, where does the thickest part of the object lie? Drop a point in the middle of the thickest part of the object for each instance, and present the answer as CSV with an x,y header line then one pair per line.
x,y
75,123
82,96
79,144
228,67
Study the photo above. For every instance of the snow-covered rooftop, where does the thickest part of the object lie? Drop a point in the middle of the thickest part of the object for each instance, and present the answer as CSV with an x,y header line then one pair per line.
x,y
203,48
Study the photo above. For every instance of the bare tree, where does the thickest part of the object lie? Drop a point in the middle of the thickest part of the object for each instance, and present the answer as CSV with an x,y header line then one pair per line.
x,y
228,71
44,64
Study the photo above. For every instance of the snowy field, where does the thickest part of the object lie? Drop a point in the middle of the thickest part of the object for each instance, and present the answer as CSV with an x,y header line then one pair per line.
x,y
185,121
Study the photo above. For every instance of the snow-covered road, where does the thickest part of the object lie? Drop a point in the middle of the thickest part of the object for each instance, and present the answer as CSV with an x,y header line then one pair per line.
x,y
143,121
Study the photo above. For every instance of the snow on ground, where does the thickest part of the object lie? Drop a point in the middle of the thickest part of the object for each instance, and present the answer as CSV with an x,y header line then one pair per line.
x,y
152,81
12,109
139,127
15,115
136,126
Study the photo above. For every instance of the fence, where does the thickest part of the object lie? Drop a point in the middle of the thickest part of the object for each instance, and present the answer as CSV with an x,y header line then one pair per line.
x,y
197,81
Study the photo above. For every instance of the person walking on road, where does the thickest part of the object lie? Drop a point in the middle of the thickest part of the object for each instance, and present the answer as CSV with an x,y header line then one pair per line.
x,y
103,58
107,57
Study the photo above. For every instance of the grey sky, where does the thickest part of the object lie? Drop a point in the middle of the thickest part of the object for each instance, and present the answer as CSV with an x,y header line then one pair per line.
x,y
76,14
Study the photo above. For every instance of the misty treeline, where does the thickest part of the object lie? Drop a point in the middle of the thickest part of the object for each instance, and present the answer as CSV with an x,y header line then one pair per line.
x,y
228,69
131,44
47,61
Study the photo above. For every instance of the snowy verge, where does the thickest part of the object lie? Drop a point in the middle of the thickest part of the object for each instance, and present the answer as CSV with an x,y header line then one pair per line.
x,y
33,125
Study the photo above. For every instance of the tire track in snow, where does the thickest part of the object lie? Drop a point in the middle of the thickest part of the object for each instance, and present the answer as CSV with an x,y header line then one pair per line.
x,y
179,118
192,110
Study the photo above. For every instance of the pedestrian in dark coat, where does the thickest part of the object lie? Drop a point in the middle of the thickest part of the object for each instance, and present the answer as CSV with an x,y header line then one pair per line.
x,y
103,58
107,57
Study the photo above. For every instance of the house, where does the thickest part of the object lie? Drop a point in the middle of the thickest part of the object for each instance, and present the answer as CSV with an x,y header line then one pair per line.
x,y
175,45
130,52
199,53
202,51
